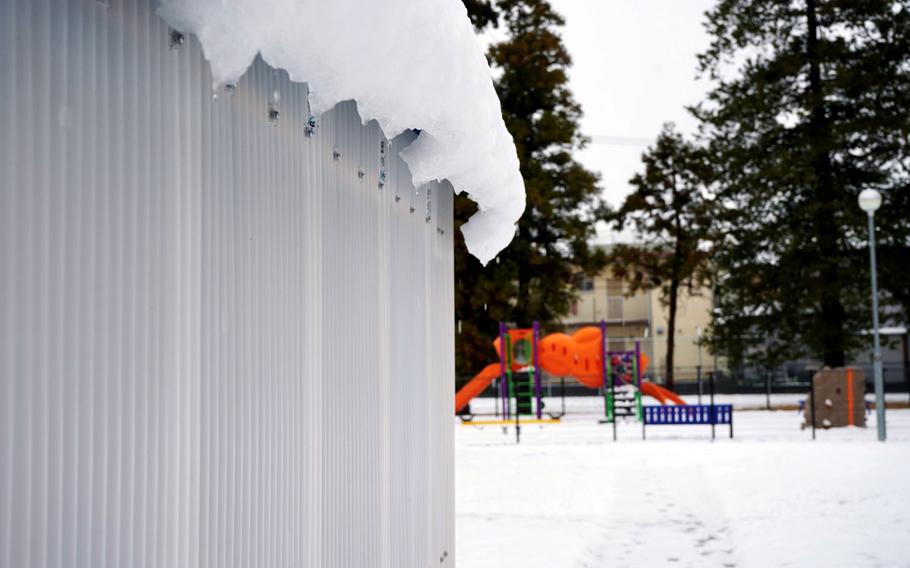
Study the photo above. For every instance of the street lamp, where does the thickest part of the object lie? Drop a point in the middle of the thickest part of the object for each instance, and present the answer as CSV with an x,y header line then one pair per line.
x,y
869,201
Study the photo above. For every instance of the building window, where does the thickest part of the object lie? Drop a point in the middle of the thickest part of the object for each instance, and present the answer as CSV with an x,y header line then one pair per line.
x,y
585,284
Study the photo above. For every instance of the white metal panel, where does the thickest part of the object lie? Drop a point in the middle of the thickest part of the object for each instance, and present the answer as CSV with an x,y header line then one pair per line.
x,y
221,342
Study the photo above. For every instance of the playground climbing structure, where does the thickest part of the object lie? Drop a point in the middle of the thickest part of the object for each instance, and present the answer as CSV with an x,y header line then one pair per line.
x,y
523,354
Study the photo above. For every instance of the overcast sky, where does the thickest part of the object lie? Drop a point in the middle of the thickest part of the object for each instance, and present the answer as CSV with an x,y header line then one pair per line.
x,y
633,69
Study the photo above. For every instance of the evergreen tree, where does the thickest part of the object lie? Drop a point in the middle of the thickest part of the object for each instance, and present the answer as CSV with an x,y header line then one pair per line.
x,y
668,213
533,278
482,13
810,107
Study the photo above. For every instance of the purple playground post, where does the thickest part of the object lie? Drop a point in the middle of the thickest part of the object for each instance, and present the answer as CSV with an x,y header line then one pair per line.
x,y
603,352
638,404
537,369
503,387
638,364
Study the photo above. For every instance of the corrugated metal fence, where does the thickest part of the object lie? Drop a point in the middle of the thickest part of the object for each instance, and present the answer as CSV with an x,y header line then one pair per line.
x,y
222,343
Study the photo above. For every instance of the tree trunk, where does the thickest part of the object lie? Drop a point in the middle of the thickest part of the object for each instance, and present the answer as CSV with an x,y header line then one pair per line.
x,y
674,284
828,285
671,332
520,312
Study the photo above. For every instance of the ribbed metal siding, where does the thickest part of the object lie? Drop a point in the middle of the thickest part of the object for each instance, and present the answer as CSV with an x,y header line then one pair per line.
x,y
219,345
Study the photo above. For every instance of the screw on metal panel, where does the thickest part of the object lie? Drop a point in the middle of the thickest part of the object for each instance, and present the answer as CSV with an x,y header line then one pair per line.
x,y
440,230
397,198
273,114
360,173
177,38
229,88
381,179
311,126
412,209
336,155
427,218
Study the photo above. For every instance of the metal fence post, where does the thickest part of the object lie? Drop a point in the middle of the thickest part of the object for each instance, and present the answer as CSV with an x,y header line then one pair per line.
x,y
713,416
768,390
537,378
812,402
517,424
562,394
503,387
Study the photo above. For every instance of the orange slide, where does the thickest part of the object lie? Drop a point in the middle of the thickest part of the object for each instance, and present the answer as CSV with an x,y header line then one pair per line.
x,y
577,355
660,393
476,385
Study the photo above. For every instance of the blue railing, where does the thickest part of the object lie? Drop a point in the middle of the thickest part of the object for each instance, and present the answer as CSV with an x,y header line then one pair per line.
x,y
689,414
670,415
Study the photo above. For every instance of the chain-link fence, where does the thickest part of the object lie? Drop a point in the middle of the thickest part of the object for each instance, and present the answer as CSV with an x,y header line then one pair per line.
x,y
693,380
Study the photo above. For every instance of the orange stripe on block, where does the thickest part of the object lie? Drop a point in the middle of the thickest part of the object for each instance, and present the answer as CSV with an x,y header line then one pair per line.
x,y
850,395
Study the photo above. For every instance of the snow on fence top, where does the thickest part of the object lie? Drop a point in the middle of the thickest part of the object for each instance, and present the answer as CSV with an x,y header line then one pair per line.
x,y
408,64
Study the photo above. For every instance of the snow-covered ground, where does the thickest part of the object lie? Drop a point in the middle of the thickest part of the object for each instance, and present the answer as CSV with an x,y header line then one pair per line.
x,y
568,496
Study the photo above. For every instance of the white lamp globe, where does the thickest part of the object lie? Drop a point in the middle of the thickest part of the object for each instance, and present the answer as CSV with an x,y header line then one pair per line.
x,y
870,200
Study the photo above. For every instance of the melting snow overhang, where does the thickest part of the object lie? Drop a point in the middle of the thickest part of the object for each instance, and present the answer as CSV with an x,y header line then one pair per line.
x,y
366,51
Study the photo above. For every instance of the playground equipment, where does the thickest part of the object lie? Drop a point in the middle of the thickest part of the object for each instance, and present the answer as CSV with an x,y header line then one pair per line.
x,y
836,399
710,414
580,355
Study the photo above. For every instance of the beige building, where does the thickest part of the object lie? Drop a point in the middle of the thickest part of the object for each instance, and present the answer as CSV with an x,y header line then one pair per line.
x,y
643,317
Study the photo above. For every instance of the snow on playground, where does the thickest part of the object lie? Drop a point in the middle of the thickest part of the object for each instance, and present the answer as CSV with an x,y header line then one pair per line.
x,y
568,496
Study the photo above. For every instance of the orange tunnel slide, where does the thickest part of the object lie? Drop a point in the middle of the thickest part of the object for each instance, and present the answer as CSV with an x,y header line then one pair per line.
x,y
577,355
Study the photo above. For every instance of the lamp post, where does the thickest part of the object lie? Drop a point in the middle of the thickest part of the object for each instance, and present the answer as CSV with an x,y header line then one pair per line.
x,y
869,201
